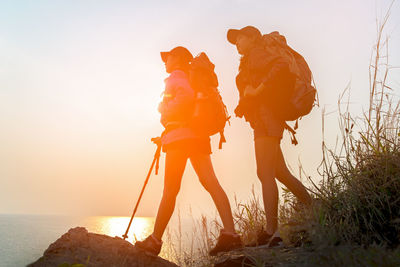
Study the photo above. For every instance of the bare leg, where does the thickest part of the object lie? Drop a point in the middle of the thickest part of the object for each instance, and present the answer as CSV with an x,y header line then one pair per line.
x,y
266,149
175,162
294,185
204,169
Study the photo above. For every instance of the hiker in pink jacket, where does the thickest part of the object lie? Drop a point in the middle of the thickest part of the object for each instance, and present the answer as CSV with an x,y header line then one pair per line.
x,y
181,143
177,108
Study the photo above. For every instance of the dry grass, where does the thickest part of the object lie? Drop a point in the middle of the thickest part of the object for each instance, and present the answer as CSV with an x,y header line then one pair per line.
x,y
358,200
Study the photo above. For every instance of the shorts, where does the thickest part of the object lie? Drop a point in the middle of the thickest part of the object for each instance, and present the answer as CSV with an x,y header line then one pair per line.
x,y
192,146
268,124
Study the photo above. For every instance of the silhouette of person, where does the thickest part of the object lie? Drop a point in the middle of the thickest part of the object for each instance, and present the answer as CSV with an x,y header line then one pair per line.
x,y
180,142
263,81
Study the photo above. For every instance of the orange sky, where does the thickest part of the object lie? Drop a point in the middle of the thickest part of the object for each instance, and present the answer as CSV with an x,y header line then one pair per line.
x,y
80,84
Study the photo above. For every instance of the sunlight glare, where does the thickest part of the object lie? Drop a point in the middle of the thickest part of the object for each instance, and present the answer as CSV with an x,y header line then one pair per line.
x,y
116,226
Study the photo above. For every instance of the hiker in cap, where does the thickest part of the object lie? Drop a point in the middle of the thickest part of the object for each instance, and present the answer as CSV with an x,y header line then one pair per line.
x,y
264,81
181,142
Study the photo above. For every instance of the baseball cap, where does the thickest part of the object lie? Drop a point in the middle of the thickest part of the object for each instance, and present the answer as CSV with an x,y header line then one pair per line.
x,y
250,31
177,51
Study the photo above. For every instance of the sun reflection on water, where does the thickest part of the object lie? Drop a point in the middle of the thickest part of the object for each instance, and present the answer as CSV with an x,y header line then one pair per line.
x,y
116,226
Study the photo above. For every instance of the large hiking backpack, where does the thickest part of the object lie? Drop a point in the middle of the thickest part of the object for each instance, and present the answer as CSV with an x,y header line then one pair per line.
x,y
303,97
210,114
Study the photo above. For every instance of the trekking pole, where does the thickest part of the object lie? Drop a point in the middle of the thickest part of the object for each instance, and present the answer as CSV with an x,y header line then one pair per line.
x,y
156,159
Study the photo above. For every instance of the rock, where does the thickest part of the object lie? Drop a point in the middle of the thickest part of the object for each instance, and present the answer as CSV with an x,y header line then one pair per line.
x,y
78,246
257,256
234,261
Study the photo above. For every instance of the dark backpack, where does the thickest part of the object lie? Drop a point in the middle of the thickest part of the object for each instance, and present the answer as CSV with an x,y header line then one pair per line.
x,y
303,97
210,114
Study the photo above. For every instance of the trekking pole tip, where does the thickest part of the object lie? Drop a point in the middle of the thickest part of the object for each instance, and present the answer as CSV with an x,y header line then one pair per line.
x,y
125,236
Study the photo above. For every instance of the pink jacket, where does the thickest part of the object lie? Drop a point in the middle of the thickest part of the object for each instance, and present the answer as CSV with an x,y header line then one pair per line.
x,y
177,107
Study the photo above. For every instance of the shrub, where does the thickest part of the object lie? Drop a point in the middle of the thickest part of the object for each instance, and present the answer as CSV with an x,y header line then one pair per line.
x,y
358,200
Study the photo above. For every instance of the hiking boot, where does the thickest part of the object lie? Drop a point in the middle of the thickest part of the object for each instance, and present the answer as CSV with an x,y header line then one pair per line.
x,y
263,239
276,240
151,245
226,241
